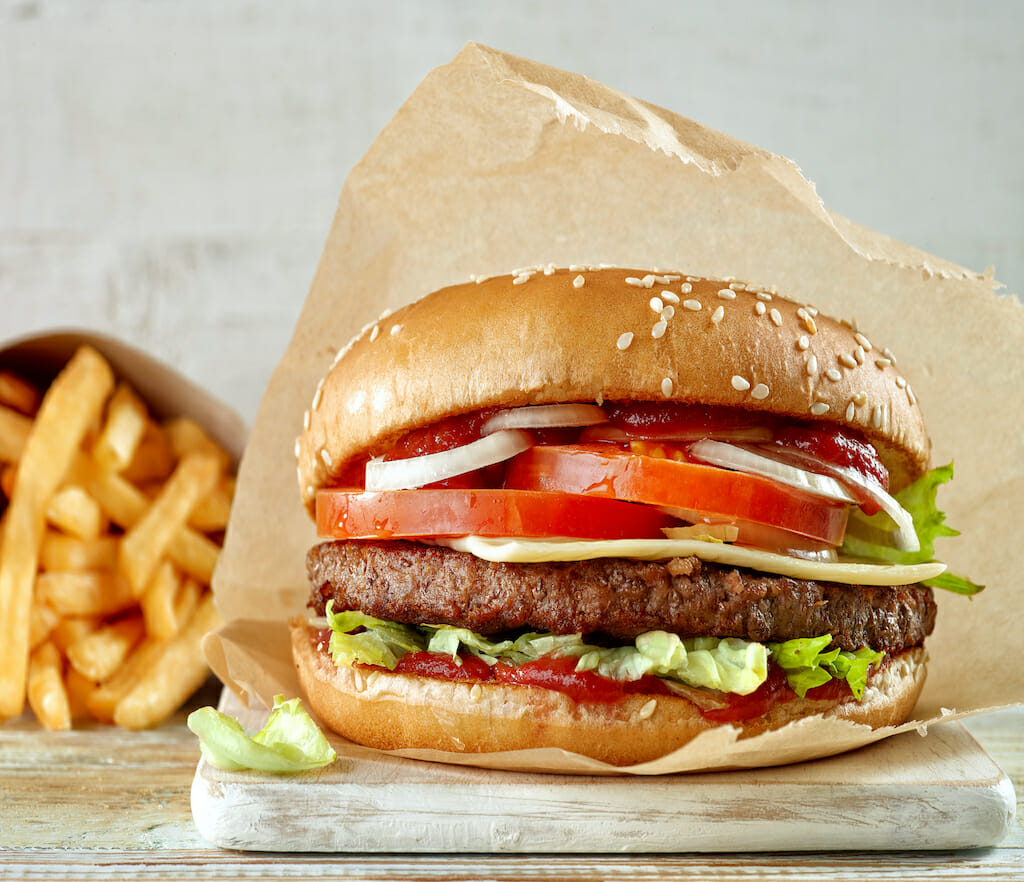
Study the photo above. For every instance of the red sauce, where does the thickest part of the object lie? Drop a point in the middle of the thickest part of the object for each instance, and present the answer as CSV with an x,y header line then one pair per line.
x,y
444,667
560,674
838,446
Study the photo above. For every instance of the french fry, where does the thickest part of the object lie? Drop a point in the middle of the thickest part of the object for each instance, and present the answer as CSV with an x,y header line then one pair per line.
x,y
105,697
85,592
146,542
186,436
187,600
74,511
42,620
60,552
153,460
158,602
18,393
45,688
123,430
71,629
177,672
98,654
212,512
79,689
125,505
14,432
70,407
8,475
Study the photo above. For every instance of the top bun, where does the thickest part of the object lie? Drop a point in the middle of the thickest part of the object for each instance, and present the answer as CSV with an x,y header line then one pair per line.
x,y
599,334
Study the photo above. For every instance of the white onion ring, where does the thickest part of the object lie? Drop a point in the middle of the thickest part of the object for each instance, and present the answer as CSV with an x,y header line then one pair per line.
x,y
905,536
545,416
742,460
408,474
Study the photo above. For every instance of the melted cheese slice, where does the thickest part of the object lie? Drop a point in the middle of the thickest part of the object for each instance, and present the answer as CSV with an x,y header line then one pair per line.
x,y
539,550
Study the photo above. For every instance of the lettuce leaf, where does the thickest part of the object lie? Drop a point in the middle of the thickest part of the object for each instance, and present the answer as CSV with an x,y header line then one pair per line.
x,y
375,641
289,742
807,664
870,536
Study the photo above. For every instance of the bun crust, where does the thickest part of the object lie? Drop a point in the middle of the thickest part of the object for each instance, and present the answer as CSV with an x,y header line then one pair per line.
x,y
395,711
545,337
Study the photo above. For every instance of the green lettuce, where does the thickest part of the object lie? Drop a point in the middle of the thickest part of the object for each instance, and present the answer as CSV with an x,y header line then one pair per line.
x,y
289,742
808,662
870,537
375,641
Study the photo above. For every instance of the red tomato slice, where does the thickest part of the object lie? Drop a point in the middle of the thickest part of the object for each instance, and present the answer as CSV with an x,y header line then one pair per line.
x,y
406,514
717,494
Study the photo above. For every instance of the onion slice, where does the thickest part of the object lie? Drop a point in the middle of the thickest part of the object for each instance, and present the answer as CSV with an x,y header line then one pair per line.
x,y
904,536
417,471
545,416
730,456
749,435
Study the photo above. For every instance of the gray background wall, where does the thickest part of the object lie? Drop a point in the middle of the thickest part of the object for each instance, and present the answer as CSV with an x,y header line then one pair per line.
x,y
169,170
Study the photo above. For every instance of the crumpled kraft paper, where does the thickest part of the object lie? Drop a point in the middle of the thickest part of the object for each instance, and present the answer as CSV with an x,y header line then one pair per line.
x,y
495,163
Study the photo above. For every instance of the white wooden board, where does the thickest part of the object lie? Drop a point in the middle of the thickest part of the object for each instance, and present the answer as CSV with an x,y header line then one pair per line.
x,y
941,791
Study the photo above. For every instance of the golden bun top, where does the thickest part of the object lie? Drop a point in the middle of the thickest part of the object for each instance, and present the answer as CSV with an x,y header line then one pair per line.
x,y
603,334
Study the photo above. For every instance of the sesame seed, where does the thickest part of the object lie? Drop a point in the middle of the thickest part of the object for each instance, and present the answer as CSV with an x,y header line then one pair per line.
x,y
819,408
578,282
718,314
888,354
727,294
803,342
549,270
318,395
668,312
737,286
860,399
883,363
669,297
395,330
833,375
812,328
309,490
776,317
863,341
760,392
305,420
692,279
692,305
576,267
910,395
648,280
374,333
811,310
760,308
658,330
685,288
812,365
667,386
624,340
901,382
634,281
876,416
847,360
740,384
296,448
764,295
522,278
657,304
326,457
647,711
859,355
850,411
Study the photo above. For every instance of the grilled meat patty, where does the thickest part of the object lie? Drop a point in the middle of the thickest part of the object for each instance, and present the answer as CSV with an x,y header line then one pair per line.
x,y
619,598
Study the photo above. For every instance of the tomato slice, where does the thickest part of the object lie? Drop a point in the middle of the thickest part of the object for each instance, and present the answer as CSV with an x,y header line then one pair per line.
x,y
406,514
715,494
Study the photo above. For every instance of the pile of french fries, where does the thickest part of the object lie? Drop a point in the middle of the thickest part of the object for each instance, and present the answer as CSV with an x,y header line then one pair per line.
x,y
110,529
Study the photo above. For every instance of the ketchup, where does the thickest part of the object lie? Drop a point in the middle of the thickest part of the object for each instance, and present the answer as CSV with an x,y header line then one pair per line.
x,y
560,674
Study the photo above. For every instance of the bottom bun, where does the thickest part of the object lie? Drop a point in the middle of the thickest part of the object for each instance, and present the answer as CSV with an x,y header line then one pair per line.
x,y
388,711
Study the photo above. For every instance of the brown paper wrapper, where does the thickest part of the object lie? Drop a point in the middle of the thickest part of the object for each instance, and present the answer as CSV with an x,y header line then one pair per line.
x,y
495,163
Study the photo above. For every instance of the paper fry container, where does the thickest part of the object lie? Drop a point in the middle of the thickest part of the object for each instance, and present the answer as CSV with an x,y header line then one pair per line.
x,y
496,162
40,356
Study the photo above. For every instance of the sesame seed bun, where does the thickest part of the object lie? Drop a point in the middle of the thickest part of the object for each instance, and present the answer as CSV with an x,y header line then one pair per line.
x,y
540,337
390,711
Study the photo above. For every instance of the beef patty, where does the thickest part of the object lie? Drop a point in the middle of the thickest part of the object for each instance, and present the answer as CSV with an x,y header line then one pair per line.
x,y
415,584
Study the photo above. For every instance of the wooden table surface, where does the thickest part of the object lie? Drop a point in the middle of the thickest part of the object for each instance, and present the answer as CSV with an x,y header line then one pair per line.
x,y
103,803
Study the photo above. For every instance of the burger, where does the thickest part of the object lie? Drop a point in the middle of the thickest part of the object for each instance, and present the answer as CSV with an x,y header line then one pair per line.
x,y
607,510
